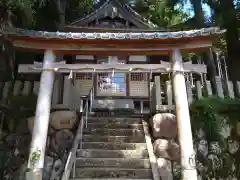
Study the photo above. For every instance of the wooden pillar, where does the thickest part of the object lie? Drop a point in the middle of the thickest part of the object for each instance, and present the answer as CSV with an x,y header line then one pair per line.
x,y
183,119
40,130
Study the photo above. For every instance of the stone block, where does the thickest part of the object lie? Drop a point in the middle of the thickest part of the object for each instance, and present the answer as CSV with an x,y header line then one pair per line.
x,y
164,125
63,119
166,149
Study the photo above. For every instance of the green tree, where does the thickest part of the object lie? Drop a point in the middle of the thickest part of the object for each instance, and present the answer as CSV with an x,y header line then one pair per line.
x,y
160,12
199,19
66,9
13,13
225,13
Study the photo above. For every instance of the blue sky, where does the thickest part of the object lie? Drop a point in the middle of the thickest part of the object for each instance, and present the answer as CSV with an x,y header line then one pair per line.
x,y
188,8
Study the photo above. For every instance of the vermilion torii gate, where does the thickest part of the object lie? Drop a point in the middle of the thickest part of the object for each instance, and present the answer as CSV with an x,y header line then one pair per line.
x,y
144,43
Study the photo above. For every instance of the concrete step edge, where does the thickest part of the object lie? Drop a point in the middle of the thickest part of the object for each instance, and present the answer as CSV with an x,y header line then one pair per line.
x,y
114,129
107,150
111,169
107,179
108,136
113,139
100,172
115,126
98,153
137,143
114,143
123,159
136,163
114,118
114,123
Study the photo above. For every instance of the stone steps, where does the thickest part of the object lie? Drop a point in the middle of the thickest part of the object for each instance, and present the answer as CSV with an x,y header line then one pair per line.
x,y
113,139
113,120
108,179
116,125
113,149
91,172
113,162
113,146
114,132
99,153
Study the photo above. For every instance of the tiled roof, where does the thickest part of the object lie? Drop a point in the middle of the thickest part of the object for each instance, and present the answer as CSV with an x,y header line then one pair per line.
x,y
91,36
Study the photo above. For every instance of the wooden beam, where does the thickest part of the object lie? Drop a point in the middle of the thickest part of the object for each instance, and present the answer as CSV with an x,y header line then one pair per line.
x,y
114,48
66,68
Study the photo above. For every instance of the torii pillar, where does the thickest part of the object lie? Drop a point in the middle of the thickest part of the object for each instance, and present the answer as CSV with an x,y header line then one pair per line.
x,y
183,118
42,115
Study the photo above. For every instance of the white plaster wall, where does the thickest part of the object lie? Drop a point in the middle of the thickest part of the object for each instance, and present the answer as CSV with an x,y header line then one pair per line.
x,y
84,57
138,88
138,58
110,92
83,86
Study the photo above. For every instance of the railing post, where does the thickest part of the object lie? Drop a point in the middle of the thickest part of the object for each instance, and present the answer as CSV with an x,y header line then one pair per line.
x,y
141,106
86,123
74,169
40,130
158,94
183,118
91,99
81,105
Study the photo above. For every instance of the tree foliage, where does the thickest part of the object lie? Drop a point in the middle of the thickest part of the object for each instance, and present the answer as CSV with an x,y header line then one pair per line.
x,y
52,15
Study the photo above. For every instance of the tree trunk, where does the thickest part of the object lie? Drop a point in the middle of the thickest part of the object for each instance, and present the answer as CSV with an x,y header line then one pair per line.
x,y
211,68
207,56
230,23
61,6
198,11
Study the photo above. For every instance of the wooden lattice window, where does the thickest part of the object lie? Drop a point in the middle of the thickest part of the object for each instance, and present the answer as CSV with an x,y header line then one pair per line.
x,y
138,77
84,76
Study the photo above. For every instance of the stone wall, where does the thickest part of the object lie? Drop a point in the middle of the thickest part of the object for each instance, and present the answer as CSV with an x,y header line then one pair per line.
x,y
216,159
15,143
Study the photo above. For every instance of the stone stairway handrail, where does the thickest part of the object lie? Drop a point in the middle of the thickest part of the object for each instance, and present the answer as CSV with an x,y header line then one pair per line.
x,y
77,140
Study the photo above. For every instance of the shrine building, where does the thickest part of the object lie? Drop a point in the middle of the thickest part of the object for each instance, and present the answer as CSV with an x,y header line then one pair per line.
x,y
117,53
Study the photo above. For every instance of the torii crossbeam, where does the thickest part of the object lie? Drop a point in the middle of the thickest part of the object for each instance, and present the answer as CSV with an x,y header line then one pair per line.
x,y
67,68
